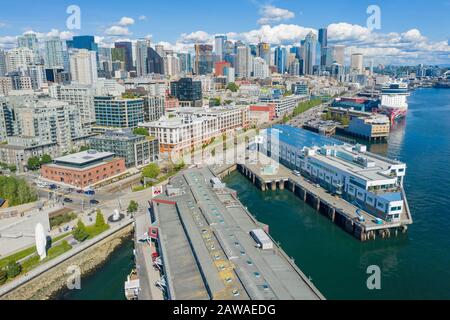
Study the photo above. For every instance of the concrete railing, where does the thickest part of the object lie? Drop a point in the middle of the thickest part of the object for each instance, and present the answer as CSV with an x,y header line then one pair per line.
x,y
60,259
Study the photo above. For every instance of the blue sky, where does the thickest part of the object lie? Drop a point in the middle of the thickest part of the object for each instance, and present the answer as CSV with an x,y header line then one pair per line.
x,y
180,22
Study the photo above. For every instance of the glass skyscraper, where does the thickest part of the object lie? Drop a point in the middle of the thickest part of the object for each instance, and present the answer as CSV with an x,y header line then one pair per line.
x,y
128,51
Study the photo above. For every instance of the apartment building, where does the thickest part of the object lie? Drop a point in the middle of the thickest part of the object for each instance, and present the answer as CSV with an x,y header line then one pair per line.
x,y
137,150
187,128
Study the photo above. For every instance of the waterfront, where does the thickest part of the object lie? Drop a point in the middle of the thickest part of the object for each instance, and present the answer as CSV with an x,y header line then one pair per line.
x,y
413,266
107,281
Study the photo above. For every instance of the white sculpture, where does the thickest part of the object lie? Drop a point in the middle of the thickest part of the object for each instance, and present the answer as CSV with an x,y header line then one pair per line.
x,y
41,241
116,216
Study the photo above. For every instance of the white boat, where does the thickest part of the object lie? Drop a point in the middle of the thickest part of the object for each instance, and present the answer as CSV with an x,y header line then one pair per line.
x,y
394,100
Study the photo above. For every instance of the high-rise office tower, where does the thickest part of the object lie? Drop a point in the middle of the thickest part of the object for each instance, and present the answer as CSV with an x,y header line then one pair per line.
x,y
30,41
118,59
323,41
294,67
83,66
281,59
260,68
54,57
323,37
18,59
203,59
155,63
356,65
244,63
141,57
128,49
339,54
309,53
264,51
2,63
328,56
185,62
105,61
219,46
173,65
160,50
187,91
83,42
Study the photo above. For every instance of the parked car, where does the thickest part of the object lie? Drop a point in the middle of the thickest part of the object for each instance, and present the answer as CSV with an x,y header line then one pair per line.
x,y
68,200
53,187
94,202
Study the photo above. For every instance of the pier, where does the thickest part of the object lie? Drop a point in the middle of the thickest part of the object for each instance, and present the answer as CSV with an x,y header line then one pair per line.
x,y
338,210
207,249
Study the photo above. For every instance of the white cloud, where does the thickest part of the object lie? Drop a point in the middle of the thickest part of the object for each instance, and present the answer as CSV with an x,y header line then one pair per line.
x,y
142,18
270,14
345,31
195,37
117,31
126,21
413,35
280,34
8,42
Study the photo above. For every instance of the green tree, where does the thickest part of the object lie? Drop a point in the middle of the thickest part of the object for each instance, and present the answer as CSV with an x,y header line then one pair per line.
x,y
233,87
46,158
345,121
133,207
80,233
84,148
3,276
16,191
151,171
141,132
34,163
99,219
13,269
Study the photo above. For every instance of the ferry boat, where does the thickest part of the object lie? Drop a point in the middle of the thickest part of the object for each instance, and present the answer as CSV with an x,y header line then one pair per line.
x,y
132,286
394,100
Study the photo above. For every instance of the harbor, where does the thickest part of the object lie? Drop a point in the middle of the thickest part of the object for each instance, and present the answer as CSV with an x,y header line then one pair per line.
x,y
211,247
339,211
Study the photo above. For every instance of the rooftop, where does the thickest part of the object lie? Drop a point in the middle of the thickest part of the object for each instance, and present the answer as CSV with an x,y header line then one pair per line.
x,y
300,137
206,243
85,157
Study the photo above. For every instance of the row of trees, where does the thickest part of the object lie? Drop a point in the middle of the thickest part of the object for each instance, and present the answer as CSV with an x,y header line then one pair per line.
x,y
10,167
35,163
16,190
344,120
81,232
12,270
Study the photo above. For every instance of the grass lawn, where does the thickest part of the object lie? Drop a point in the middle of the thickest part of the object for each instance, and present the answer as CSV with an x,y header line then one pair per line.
x,y
96,230
17,256
52,253
26,252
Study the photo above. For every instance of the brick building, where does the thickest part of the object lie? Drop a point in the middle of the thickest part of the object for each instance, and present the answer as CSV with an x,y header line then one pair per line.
x,y
84,169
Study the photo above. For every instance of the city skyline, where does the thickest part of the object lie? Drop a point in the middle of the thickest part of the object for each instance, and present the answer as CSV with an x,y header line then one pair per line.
x,y
401,40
